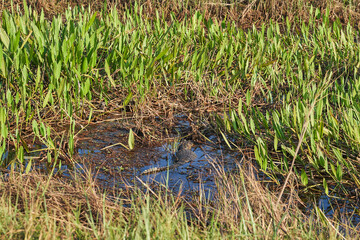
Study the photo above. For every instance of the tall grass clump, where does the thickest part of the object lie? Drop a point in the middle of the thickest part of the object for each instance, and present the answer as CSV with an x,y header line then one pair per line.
x,y
36,206
299,108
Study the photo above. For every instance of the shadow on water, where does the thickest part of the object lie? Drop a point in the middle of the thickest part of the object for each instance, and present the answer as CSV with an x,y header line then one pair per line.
x,y
114,166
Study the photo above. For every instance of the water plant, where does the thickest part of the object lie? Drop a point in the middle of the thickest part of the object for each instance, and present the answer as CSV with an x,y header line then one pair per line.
x,y
288,91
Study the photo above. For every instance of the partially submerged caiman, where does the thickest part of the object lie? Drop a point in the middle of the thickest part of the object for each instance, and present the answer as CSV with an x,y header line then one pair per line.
x,y
182,156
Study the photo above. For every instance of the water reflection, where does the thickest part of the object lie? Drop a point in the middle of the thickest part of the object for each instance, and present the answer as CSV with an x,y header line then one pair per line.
x,y
117,167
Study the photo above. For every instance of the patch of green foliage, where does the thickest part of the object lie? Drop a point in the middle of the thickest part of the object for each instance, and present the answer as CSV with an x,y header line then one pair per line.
x,y
296,85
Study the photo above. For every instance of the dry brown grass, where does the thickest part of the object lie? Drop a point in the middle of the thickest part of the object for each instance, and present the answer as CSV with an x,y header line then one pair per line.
x,y
243,13
242,198
242,207
64,203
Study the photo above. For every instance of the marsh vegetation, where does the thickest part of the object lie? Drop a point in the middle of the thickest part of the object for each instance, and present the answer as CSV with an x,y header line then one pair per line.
x,y
275,82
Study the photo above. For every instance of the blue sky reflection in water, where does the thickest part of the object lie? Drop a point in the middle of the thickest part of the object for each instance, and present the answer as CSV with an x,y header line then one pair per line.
x,y
115,166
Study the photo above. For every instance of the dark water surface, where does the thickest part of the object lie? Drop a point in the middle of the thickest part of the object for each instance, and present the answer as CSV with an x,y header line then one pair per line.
x,y
116,163
114,166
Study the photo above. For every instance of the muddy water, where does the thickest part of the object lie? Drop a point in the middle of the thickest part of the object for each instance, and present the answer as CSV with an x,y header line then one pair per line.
x,y
113,163
114,166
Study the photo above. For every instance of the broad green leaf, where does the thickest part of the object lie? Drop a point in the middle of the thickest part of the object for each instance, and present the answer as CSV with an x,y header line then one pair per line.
x,y
161,54
47,98
35,127
2,63
57,70
257,155
225,139
20,154
131,140
88,25
107,70
325,187
276,142
304,178
252,126
248,98
4,38
240,107
39,36
339,172
333,169
338,154
127,99
71,145
84,66
28,167
24,144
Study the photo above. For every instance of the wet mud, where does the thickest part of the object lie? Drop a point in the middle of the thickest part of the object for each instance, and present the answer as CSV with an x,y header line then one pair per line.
x,y
98,150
